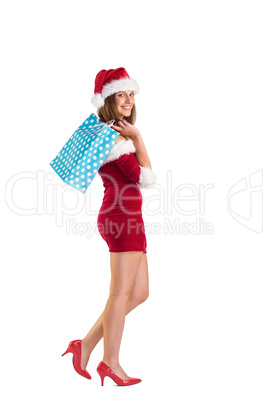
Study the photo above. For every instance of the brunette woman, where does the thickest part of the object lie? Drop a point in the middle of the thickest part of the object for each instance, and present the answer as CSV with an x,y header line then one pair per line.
x,y
126,168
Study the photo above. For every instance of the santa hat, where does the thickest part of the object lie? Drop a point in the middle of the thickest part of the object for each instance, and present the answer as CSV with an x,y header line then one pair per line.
x,y
108,82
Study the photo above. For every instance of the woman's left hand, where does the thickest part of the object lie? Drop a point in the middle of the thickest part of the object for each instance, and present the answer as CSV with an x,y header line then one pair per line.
x,y
126,129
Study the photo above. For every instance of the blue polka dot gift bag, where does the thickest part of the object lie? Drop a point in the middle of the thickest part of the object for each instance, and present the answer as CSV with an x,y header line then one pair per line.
x,y
83,154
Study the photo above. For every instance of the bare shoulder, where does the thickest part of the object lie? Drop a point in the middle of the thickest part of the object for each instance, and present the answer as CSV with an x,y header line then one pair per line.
x,y
121,137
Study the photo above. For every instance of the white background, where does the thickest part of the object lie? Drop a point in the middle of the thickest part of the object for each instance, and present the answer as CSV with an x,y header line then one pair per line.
x,y
202,111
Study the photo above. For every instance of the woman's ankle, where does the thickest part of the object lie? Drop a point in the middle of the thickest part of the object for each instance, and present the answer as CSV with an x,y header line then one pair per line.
x,y
85,356
112,363
87,346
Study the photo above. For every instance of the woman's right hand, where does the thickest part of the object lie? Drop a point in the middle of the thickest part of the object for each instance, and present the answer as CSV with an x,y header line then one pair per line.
x,y
126,129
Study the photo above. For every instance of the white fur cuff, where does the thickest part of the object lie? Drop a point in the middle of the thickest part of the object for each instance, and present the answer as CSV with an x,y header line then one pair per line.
x,y
147,177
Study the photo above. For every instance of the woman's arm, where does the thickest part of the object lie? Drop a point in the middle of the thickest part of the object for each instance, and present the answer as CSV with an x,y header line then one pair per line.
x,y
126,129
143,176
147,177
141,153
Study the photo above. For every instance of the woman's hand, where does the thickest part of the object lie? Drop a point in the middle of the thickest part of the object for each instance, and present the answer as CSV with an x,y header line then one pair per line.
x,y
126,129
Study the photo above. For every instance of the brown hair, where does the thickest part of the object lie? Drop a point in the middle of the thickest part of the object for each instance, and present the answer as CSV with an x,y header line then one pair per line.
x,y
109,111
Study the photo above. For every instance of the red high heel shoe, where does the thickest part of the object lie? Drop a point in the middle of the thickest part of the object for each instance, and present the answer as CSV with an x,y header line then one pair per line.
x,y
75,348
105,370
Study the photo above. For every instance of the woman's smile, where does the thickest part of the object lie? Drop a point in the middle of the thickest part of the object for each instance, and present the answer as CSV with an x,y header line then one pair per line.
x,y
124,101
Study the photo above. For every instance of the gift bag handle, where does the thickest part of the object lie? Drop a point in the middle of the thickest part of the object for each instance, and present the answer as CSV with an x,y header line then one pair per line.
x,y
109,123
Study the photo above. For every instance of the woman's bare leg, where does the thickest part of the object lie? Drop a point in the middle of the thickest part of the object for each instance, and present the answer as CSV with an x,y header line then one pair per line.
x,y
139,293
124,267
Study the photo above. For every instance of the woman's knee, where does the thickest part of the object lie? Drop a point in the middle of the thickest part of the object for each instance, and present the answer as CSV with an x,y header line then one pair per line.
x,y
119,295
140,297
144,296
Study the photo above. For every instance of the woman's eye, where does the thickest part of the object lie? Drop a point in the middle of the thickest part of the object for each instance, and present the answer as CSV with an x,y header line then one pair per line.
x,y
132,94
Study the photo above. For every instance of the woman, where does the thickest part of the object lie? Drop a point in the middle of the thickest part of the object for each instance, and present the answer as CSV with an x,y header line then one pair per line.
x,y
126,168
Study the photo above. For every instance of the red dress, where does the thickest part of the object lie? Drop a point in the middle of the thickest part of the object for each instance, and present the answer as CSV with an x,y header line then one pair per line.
x,y
120,220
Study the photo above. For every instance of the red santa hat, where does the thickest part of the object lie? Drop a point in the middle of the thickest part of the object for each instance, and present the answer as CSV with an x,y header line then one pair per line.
x,y
108,82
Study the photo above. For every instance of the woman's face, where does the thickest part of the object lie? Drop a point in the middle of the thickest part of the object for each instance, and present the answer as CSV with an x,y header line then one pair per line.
x,y
124,101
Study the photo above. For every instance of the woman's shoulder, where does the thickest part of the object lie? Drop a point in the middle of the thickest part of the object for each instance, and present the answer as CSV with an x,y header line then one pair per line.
x,y
121,137
120,147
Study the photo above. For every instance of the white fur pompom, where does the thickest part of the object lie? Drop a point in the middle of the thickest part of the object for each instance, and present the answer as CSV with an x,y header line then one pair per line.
x,y
97,100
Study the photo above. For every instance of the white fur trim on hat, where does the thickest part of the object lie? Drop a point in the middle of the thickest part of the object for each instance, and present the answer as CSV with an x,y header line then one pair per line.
x,y
124,84
119,148
147,177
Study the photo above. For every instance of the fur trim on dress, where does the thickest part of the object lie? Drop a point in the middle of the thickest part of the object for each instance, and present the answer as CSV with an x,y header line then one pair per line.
x,y
147,177
119,148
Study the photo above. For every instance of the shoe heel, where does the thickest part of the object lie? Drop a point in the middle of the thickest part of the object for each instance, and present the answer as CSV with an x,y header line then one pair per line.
x,y
67,351
74,347
102,379
102,375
